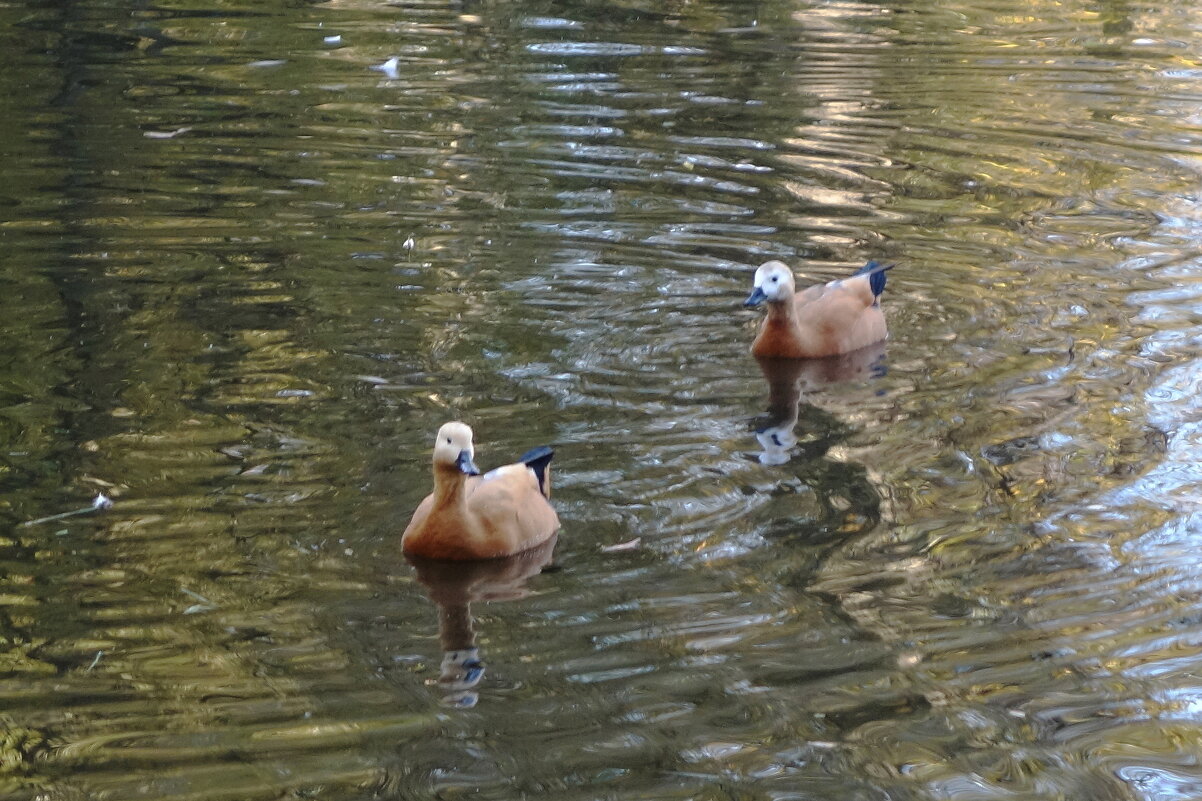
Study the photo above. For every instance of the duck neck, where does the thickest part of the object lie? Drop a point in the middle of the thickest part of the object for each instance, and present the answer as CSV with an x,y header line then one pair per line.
x,y
782,312
448,486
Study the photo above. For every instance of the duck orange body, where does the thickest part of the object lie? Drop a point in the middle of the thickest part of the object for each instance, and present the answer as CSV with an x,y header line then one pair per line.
x,y
473,516
823,320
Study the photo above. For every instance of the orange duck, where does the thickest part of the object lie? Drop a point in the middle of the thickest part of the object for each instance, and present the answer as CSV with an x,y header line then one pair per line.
x,y
473,516
823,320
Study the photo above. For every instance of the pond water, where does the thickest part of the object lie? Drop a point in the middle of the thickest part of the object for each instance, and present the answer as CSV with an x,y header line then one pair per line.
x,y
255,253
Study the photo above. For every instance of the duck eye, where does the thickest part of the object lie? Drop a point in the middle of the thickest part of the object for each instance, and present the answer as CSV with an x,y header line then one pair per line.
x,y
448,440
775,278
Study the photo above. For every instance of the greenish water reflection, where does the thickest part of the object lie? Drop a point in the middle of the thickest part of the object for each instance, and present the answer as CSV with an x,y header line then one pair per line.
x,y
247,273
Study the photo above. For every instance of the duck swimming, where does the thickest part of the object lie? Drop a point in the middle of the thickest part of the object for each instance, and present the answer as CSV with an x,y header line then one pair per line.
x,y
823,320
473,516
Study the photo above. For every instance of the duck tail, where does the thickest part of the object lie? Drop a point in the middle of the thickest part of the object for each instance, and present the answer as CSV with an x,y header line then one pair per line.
x,y
876,276
539,460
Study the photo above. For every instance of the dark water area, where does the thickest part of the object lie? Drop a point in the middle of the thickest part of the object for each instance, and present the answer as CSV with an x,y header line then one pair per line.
x,y
252,255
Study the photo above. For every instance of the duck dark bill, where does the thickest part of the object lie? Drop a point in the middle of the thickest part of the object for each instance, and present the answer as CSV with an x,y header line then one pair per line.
x,y
465,463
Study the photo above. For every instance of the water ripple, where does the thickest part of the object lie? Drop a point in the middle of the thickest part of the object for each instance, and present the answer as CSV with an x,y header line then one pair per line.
x,y
252,267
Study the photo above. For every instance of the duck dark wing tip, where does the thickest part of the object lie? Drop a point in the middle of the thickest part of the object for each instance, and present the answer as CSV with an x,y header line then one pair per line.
x,y
537,460
542,453
876,276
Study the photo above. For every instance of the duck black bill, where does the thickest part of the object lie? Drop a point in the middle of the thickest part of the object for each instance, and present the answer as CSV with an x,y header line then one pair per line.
x,y
465,463
756,297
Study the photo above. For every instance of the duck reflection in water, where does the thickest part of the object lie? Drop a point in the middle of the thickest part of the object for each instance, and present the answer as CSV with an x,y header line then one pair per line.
x,y
452,586
790,379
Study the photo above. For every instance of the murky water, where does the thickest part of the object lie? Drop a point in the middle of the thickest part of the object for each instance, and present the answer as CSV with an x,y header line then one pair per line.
x,y
250,264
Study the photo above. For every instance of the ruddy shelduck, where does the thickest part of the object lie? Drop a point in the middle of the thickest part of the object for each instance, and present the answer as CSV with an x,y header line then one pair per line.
x,y
473,516
824,320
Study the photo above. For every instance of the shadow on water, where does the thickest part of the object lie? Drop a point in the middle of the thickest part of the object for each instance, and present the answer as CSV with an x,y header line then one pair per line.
x,y
453,587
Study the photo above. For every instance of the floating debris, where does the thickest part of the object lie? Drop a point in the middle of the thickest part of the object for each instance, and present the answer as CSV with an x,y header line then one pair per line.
x,y
95,661
629,545
166,134
391,67
332,40
101,503
195,595
205,604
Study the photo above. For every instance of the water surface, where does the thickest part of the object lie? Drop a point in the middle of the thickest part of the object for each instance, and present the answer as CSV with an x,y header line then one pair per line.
x,y
256,253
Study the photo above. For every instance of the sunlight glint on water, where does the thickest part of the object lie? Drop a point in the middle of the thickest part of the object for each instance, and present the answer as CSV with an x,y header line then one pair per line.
x,y
256,254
